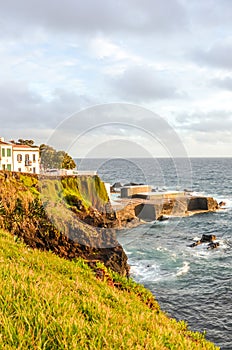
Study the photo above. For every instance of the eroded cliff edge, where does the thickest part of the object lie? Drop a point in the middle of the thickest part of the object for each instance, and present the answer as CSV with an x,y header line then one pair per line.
x,y
70,216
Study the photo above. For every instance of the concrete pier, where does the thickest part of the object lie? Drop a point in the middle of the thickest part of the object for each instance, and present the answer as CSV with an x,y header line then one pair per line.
x,y
128,210
131,191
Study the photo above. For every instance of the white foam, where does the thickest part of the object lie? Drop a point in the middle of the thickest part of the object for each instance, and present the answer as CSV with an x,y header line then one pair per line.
x,y
196,238
228,204
146,270
184,269
162,249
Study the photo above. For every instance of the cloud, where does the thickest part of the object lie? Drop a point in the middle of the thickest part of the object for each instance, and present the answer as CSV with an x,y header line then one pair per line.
x,y
223,83
209,14
217,55
143,83
205,122
103,48
22,108
102,15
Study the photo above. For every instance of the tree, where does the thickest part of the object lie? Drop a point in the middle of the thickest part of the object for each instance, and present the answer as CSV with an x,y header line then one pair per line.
x,y
52,159
26,142
68,162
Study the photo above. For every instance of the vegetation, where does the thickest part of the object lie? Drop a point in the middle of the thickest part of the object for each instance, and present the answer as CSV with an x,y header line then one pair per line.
x,y
52,159
51,303
66,215
26,142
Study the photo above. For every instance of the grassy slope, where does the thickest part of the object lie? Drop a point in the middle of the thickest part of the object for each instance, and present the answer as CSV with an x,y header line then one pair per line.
x,y
50,303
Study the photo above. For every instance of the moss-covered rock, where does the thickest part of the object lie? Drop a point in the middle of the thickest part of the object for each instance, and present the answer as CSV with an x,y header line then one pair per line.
x,y
70,216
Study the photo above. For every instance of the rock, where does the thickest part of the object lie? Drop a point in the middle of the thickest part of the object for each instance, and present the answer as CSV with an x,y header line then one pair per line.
x,y
117,185
222,204
213,245
195,244
162,218
207,238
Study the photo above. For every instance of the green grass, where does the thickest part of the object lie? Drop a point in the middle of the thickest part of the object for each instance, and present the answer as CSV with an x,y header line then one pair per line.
x,y
50,303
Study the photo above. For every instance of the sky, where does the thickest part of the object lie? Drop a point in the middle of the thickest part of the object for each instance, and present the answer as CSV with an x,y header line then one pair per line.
x,y
117,78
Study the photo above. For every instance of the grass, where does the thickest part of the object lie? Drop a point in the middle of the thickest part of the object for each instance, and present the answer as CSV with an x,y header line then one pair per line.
x,y
50,303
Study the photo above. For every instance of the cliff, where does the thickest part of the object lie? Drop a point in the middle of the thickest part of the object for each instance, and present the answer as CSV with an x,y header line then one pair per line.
x,y
70,216
50,303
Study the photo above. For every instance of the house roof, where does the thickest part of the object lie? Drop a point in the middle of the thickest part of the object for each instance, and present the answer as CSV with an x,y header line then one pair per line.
x,y
26,147
5,143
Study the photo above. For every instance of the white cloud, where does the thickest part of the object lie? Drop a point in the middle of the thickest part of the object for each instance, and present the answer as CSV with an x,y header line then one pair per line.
x,y
103,48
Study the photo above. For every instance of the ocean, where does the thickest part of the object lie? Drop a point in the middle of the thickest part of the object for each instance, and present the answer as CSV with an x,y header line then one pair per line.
x,y
191,284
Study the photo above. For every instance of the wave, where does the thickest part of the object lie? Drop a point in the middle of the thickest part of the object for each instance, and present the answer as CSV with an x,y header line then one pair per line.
x,y
184,269
148,271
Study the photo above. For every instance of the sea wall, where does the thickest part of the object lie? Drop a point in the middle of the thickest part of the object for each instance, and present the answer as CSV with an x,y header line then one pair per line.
x,y
136,210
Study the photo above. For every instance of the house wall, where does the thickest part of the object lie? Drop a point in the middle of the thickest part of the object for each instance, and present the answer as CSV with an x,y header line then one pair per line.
x,y
26,160
6,157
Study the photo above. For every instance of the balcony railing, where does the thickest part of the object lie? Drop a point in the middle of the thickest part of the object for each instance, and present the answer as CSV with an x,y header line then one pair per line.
x,y
28,162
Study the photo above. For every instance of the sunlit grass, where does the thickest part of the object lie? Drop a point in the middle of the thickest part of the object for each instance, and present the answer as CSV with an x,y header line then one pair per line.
x,y
50,303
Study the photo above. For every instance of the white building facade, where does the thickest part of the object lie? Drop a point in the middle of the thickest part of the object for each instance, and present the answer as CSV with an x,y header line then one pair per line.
x,y
26,159
19,158
6,155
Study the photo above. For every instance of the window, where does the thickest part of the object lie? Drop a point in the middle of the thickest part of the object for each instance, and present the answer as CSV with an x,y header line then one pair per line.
x,y
3,167
8,151
8,167
34,158
34,170
27,160
19,169
3,152
19,158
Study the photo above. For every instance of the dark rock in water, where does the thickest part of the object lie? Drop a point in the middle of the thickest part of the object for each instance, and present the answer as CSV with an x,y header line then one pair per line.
x,y
162,218
195,244
213,245
222,204
207,238
134,184
117,185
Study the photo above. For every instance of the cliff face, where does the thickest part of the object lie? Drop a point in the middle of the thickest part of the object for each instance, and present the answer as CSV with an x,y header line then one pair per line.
x,y
70,216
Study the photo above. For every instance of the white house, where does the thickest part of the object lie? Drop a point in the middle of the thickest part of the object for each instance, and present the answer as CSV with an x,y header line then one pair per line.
x,y
20,158
6,158
26,158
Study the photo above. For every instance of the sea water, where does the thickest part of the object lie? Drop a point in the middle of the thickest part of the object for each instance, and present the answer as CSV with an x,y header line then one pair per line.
x,y
191,284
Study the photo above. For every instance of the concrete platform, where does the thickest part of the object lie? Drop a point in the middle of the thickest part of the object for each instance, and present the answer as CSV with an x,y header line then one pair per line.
x,y
159,195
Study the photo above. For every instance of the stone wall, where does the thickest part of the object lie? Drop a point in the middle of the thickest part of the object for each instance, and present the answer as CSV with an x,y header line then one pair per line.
x,y
202,203
146,212
129,191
